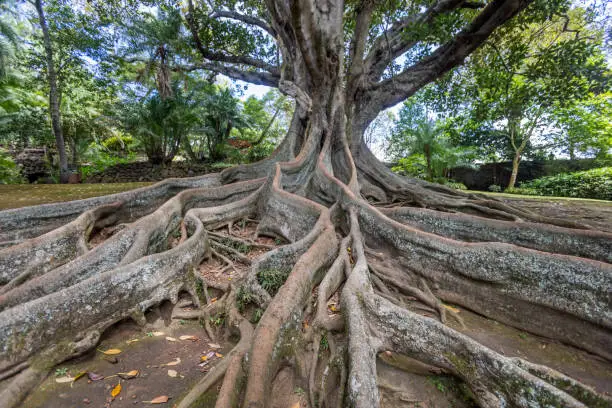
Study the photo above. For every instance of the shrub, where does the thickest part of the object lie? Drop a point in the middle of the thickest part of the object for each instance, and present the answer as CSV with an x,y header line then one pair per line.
x,y
495,188
10,173
455,185
595,183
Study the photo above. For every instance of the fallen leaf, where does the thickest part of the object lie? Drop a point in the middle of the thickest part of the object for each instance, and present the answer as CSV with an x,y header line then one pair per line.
x,y
158,333
132,341
116,390
162,399
213,300
65,379
219,355
214,345
296,405
171,338
173,363
204,358
172,373
111,359
110,352
192,338
452,309
128,375
333,308
76,377
94,376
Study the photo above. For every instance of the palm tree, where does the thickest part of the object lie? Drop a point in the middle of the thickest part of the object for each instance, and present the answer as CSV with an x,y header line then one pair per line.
x,y
8,40
222,113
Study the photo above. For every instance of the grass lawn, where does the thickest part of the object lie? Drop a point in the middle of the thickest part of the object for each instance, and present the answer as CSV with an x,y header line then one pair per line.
x,y
23,195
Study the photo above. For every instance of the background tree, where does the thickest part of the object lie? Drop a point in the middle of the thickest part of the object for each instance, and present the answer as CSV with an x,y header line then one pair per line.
x,y
512,87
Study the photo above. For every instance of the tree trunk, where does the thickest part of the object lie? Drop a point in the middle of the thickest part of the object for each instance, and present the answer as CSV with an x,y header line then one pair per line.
x,y
325,195
54,106
515,166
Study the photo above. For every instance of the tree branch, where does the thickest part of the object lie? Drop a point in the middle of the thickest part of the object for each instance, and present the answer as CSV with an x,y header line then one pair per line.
x,y
270,78
253,77
394,90
245,19
392,43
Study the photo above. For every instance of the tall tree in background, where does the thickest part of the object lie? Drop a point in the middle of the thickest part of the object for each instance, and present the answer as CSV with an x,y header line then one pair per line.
x,y
513,87
324,193
54,97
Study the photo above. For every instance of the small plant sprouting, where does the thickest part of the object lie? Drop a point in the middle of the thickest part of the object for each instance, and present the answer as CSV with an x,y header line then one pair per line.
x,y
299,391
243,298
438,383
60,371
272,279
523,336
182,322
324,344
149,334
218,319
257,313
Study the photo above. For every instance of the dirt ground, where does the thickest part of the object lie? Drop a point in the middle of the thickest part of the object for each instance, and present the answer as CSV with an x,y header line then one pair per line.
x,y
153,351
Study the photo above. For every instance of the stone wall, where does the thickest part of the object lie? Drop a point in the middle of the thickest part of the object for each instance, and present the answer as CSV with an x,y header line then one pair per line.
x,y
34,163
145,171
499,173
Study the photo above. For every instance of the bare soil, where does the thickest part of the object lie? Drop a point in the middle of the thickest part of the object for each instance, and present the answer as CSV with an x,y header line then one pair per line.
x,y
149,355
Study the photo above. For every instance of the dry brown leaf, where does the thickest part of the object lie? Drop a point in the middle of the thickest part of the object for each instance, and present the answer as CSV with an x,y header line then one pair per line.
x,y
111,352
115,391
213,300
162,399
171,338
173,363
188,337
204,358
172,373
452,309
132,341
65,379
128,375
219,355
94,376
296,405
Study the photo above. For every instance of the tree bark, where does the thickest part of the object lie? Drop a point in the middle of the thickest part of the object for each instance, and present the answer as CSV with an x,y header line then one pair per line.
x,y
515,166
54,105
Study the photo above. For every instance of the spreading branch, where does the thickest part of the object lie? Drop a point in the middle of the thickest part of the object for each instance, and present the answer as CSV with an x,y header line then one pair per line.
x,y
393,90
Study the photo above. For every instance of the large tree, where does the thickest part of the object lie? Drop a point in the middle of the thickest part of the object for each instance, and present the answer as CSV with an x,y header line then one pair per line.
x,y
318,191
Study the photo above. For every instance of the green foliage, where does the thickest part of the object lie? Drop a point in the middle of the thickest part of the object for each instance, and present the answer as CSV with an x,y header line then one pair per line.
x,y
495,188
456,185
324,343
120,144
595,183
10,173
61,371
423,146
243,298
217,320
99,159
272,279
257,313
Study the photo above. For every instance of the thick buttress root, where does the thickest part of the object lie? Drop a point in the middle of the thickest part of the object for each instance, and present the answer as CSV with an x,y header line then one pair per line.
x,y
391,271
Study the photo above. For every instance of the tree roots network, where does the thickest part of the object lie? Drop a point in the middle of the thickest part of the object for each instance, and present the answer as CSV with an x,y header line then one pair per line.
x,y
362,275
